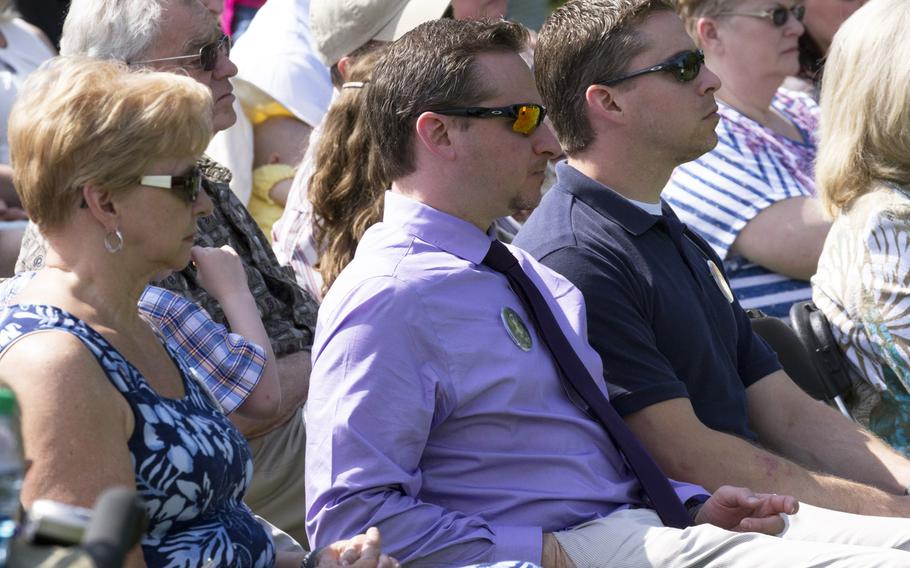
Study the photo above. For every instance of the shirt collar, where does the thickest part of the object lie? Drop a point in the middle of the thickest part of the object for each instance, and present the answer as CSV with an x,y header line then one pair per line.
x,y
447,232
605,201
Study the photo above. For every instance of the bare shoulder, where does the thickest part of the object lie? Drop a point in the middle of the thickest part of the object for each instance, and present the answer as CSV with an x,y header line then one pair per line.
x,y
53,361
75,424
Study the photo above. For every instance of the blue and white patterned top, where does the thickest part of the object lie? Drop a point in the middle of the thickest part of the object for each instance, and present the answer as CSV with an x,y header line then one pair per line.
x,y
751,168
228,364
192,466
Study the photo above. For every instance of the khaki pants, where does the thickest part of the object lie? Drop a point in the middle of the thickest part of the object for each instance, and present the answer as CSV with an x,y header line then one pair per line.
x,y
814,537
277,490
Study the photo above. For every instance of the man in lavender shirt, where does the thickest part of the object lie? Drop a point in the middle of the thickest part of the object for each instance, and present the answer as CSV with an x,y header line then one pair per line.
x,y
435,412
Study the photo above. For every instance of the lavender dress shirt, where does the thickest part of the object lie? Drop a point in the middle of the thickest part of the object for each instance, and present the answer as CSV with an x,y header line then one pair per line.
x,y
427,419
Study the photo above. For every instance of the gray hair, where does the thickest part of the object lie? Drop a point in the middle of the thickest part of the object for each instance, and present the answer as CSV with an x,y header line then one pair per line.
x,y
111,29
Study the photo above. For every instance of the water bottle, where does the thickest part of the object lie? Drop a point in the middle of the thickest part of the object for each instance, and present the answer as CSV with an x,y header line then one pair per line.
x,y
11,470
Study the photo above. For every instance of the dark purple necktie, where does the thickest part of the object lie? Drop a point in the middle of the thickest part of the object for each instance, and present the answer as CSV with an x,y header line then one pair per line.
x,y
653,482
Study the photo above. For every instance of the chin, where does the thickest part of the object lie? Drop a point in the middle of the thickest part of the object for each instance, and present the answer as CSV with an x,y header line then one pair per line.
x,y
224,118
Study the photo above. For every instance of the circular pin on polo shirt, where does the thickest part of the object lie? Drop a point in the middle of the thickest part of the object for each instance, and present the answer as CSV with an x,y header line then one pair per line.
x,y
517,329
720,281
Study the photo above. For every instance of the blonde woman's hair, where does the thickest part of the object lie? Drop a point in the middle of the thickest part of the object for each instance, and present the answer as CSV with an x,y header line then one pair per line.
x,y
79,120
864,135
347,188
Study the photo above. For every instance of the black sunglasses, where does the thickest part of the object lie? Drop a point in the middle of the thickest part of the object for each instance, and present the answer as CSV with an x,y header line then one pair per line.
x,y
526,116
684,67
778,15
187,186
207,58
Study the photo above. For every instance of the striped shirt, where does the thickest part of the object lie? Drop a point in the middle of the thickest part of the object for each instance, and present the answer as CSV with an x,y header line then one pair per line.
x,y
751,168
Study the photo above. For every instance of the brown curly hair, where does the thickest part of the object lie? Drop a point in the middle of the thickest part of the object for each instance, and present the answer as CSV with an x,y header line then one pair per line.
x,y
346,189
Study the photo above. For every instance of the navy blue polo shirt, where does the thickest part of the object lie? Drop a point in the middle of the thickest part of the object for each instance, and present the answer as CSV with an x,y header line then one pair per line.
x,y
658,317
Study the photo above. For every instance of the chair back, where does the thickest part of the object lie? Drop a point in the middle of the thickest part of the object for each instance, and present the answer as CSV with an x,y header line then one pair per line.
x,y
792,353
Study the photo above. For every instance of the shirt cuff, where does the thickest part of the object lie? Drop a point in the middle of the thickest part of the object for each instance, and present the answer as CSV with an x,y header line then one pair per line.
x,y
686,491
515,542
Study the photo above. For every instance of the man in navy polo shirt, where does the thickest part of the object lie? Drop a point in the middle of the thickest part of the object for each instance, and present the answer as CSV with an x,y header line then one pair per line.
x,y
630,99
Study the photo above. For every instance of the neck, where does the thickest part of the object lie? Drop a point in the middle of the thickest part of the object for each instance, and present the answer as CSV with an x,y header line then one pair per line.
x,y
621,171
97,288
439,196
750,96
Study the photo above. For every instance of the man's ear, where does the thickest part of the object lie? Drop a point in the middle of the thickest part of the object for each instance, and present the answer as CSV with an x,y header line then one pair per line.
x,y
433,133
101,206
603,104
707,36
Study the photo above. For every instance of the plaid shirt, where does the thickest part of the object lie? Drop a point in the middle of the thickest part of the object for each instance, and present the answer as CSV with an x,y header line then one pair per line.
x,y
288,312
225,363
228,364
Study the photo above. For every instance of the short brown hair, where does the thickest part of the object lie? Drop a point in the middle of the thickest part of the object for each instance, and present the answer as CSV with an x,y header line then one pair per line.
x,y
79,120
584,42
431,67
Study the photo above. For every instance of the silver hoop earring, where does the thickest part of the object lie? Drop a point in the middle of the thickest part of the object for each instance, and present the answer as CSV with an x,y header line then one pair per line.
x,y
113,247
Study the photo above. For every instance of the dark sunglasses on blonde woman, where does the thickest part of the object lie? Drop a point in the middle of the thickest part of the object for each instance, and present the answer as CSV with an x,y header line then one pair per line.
x,y
186,186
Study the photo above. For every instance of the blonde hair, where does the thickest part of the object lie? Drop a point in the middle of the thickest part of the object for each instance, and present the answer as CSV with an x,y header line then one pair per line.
x,y
79,120
864,135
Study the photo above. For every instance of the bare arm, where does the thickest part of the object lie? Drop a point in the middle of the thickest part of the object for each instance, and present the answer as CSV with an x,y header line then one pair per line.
x,y
786,237
689,451
552,555
75,425
293,382
791,423
221,273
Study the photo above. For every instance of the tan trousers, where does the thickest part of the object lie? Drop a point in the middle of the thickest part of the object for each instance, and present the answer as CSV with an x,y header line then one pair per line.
x,y
815,537
277,490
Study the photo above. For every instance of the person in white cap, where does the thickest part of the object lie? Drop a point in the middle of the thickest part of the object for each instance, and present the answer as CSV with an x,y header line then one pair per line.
x,y
342,30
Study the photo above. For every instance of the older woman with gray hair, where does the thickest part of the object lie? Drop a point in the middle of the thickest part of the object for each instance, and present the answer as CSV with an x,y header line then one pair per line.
x,y
863,176
752,196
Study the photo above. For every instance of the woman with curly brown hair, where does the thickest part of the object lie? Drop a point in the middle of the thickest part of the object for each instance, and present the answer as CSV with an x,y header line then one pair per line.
x,y
346,188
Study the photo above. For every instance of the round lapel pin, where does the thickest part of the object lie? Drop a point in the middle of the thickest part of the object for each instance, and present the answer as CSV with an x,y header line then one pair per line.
x,y
516,328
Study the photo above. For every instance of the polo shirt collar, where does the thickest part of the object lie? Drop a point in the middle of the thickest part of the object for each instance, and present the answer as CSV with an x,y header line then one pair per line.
x,y
605,201
447,232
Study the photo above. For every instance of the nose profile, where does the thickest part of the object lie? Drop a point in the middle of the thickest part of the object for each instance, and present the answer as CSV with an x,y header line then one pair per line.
x,y
794,27
225,68
708,81
203,205
545,143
